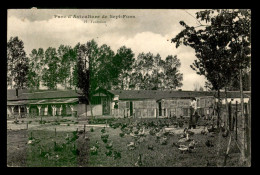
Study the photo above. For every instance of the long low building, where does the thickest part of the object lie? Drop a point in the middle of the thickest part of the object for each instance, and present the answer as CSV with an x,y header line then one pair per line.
x,y
45,102
116,103
156,103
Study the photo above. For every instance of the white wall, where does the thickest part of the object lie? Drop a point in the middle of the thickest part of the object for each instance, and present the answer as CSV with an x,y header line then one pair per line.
x,y
234,100
97,110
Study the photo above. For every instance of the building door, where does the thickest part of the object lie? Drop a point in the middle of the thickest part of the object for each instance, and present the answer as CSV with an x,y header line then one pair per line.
x,y
105,106
131,108
160,108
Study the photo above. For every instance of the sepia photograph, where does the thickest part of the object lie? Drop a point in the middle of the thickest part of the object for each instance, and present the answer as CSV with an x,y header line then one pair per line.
x,y
128,87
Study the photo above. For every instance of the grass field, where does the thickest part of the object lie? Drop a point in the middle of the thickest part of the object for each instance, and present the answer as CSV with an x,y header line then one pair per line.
x,y
76,149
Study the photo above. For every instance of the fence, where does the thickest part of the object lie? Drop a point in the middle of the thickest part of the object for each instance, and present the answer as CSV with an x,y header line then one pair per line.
x,y
241,132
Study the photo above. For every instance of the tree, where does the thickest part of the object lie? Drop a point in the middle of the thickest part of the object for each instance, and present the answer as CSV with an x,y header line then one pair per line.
x,y
152,73
17,61
67,56
35,68
234,85
173,77
222,46
197,86
123,60
50,72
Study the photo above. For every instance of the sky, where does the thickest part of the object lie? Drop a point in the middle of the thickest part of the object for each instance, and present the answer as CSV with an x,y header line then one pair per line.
x,y
142,30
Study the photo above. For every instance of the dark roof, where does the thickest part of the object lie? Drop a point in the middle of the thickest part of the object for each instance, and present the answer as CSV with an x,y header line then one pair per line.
x,y
235,94
24,94
46,101
158,94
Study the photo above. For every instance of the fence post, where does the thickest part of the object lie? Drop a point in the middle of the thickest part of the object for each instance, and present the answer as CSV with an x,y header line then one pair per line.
x,y
229,116
236,121
55,132
247,130
84,130
27,125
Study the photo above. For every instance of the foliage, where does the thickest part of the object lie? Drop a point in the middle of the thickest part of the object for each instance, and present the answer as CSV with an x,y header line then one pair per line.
x,y
35,68
152,73
17,62
50,75
218,44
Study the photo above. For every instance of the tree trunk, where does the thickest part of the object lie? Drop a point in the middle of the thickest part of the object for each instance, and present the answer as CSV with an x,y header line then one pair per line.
x,y
91,110
242,135
218,109
226,115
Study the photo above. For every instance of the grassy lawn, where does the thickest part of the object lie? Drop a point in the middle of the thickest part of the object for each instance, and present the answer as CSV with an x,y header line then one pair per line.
x,y
76,149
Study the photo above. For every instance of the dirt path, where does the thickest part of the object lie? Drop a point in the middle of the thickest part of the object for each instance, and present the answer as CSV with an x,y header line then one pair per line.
x,y
61,127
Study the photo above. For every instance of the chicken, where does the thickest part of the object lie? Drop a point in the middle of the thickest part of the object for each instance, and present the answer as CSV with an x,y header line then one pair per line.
x,y
75,151
103,130
67,137
93,150
175,145
192,144
189,132
225,133
205,131
209,143
80,132
142,133
139,161
97,144
121,134
108,153
31,142
163,141
212,129
150,147
133,135
184,139
140,140
109,145
117,155
184,148
131,146
86,138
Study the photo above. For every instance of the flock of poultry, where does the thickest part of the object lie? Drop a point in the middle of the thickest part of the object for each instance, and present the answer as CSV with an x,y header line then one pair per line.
x,y
138,131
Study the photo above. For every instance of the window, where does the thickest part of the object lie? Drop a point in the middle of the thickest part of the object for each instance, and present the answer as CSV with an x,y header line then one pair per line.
x,y
128,104
116,105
